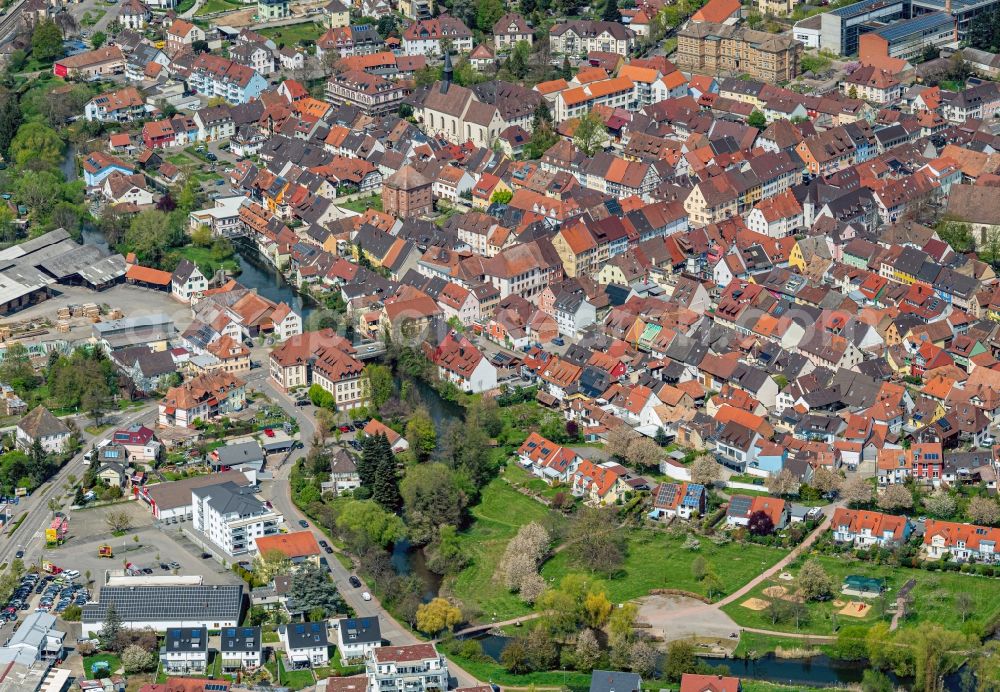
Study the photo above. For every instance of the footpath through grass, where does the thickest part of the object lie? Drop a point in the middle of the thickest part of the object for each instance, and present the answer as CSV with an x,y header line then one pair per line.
x,y
498,517
658,560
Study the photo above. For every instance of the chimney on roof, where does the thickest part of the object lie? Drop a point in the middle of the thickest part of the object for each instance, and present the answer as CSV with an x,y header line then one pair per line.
x,y
446,78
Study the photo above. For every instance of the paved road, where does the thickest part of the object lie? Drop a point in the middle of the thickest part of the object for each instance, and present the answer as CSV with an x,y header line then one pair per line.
x,y
278,492
30,535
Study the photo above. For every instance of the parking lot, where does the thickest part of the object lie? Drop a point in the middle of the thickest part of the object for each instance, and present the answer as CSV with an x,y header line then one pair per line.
x,y
156,549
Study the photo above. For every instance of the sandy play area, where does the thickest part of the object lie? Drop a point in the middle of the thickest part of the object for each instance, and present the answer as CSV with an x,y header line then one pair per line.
x,y
755,603
855,609
775,591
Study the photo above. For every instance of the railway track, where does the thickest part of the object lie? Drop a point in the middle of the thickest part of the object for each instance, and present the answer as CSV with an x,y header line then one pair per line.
x,y
10,21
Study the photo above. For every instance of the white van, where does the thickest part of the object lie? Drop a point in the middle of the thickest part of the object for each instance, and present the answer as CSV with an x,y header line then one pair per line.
x,y
71,573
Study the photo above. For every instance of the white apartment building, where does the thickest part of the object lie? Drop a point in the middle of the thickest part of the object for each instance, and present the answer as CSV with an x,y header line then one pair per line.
x,y
415,668
231,517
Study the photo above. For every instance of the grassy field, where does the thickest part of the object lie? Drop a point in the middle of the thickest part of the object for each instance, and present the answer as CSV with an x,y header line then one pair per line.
x,y
933,599
364,204
294,33
496,673
202,257
91,17
113,661
760,644
501,513
657,560
516,475
213,6
293,679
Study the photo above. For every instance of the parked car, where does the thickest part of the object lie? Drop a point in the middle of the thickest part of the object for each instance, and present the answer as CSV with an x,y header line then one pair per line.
x,y
345,428
268,432
302,402
354,581
366,596
19,554
303,523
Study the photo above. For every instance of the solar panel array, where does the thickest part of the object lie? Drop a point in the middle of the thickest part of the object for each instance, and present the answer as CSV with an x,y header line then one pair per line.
x,y
153,603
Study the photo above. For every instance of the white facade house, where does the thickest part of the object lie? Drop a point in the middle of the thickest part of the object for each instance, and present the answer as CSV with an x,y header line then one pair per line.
x,y
187,283
41,425
357,637
287,322
240,648
231,517
134,14
415,668
573,313
461,363
185,650
306,644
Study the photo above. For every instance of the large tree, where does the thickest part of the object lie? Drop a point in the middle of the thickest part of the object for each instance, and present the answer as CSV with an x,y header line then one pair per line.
x,y
611,13
895,497
10,120
36,145
598,542
590,134
760,523
433,496
379,384
858,491
813,581
150,235
488,12
524,553
110,629
46,41
421,434
311,588
373,450
705,470
983,510
385,487
365,524
437,616
783,483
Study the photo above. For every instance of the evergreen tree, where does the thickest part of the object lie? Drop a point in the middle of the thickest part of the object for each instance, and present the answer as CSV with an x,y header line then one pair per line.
x,y
385,489
542,115
37,453
78,498
611,11
10,120
368,463
661,437
108,636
